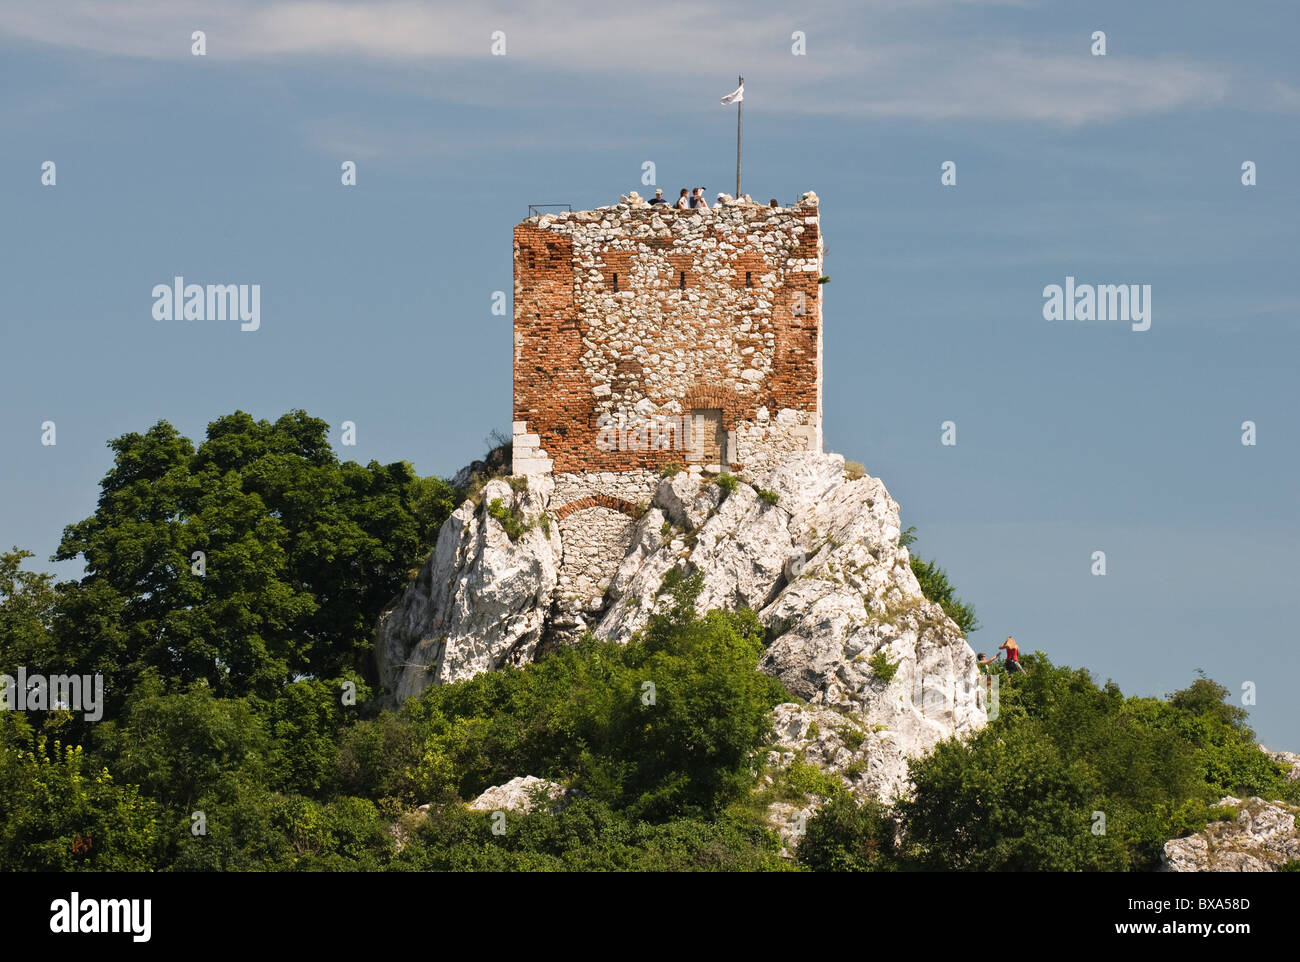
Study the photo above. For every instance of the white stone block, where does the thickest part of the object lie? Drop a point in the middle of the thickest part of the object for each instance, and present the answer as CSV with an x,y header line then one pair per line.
x,y
533,465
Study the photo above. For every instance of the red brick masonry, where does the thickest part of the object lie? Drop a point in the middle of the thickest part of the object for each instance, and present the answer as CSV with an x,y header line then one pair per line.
x,y
598,501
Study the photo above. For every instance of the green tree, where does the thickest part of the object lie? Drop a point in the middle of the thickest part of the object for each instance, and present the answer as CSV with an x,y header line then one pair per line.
x,y
27,605
1206,697
1065,754
181,746
847,836
305,722
1006,802
937,588
301,552
694,749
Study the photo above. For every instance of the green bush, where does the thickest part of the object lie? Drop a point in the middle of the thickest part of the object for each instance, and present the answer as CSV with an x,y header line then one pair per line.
x,y
852,736
60,811
882,667
804,780
669,724
1020,795
588,835
769,496
512,526
1222,813
936,587
847,836
727,482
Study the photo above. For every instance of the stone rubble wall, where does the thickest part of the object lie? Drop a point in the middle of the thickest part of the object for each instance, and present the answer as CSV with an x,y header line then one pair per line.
x,y
595,540
761,444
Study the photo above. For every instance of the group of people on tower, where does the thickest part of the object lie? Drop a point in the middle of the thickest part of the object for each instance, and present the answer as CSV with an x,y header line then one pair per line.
x,y
695,199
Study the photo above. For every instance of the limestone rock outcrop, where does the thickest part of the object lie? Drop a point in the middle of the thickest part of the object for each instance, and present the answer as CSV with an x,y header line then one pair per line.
x,y
851,631
885,673
518,795
481,599
1289,760
1262,838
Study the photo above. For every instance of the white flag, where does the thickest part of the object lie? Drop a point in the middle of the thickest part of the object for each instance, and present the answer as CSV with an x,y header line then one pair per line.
x,y
735,96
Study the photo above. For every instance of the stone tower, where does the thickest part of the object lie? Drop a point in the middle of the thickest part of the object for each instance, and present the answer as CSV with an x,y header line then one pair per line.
x,y
646,336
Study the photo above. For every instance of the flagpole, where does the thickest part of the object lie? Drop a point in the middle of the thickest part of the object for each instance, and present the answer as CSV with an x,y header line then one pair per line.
x,y
740,105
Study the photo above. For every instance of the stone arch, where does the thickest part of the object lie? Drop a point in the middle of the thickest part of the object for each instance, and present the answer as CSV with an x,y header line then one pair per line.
x,y
598,501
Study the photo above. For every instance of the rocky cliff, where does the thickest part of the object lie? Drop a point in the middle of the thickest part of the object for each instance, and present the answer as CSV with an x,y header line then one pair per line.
x,y
1262,837
884,674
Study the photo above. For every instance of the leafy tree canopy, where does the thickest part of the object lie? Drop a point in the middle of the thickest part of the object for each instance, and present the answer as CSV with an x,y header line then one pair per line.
x,y
299,553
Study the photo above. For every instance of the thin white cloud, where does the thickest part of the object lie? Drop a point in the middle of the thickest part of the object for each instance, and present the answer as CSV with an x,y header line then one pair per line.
x,y
1286,97
360,139
1012,83
672,50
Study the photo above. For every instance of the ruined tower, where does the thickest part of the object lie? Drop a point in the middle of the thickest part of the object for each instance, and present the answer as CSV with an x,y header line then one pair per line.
x,y
646,336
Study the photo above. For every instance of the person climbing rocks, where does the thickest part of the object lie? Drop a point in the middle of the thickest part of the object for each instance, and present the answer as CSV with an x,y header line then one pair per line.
x,y
1013,654
982,663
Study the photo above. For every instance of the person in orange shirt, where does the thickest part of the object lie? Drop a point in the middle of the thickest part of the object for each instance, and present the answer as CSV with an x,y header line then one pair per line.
x,y
1013,654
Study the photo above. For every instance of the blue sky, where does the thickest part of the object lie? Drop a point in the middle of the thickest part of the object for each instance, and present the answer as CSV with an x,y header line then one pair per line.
x,y
1072,437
